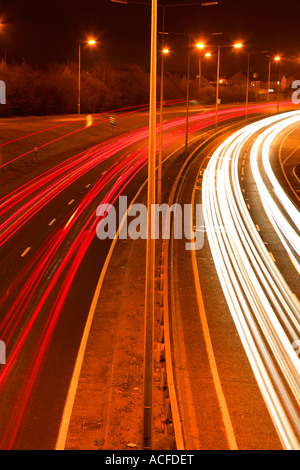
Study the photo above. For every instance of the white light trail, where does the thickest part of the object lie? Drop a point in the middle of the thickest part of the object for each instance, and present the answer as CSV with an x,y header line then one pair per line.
x,y
265,311
278,215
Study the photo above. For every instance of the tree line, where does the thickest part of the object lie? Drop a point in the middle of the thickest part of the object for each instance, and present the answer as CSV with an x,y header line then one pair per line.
x,y
53,89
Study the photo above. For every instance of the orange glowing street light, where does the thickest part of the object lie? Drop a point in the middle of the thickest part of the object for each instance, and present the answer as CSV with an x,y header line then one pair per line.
x,y
207,55
278,59
237,45
165,51
275,59
90,42
2,25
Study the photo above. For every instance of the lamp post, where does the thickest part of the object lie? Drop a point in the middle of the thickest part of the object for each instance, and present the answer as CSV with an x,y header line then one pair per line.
x,y
269,79
150,242
237,45
164,52
187,98
207,55
150,245
247,86
218,87
200,46
249,53
150,248
90,42
163,6
2,25
276,59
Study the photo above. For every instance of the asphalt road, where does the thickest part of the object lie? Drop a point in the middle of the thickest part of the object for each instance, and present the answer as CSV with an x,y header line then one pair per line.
x,y
253,232
221,402
50,264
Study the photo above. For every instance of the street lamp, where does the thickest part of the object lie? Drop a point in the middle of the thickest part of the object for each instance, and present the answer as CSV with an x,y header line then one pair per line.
x,y
275,59
199,46
249,53
2,25
237,45
207,55
165,51
150,245
90,42
278,59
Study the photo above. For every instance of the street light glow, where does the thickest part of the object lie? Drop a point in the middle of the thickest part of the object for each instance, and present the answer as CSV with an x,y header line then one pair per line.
x,y
238,45
165,51
91,42
208,54
277,58
200,45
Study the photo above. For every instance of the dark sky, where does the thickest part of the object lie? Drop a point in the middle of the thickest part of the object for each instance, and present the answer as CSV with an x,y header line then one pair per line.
x,y
44,31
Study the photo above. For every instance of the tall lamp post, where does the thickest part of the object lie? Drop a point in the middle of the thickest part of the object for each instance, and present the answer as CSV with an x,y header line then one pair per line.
x,y
2,25
187,97
164,51
150,246
237,45
278,83
275,59
200,46
207,55
249,53
269,79
90,42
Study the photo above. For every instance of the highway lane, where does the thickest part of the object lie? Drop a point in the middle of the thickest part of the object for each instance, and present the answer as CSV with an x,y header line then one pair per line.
x,y
279,207
202,352
50,263
263,306
221,403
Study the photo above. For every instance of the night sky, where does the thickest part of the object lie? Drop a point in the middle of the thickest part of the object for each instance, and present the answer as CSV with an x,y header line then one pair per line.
x,y
49,30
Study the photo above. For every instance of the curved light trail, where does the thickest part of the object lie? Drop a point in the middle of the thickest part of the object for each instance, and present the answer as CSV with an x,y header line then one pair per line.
x,y
285,217
264,309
